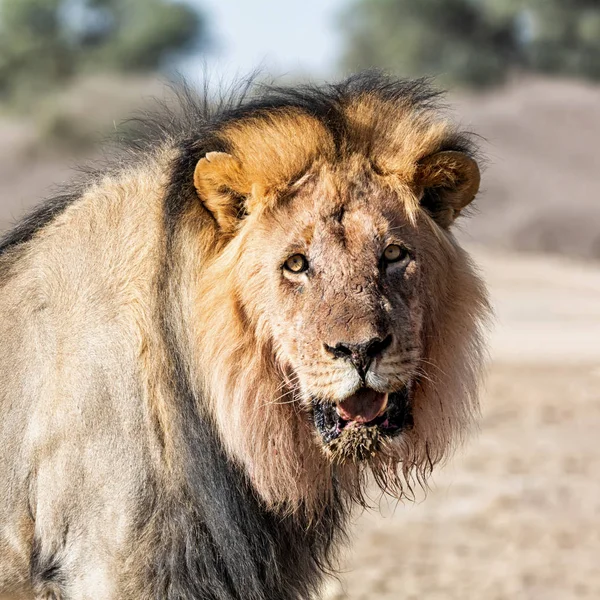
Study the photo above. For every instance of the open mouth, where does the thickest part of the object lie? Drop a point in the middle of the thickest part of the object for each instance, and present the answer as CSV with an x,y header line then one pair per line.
x,y
366,410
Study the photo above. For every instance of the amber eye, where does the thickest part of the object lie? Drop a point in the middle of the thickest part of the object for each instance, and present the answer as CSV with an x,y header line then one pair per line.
x,y
394,253
296,263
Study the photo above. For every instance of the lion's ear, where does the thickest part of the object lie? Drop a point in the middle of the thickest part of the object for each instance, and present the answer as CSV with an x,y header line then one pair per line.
x,y
450,180
221,186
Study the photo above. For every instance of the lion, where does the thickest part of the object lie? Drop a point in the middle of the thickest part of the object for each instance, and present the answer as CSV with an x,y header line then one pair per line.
x,y
211,347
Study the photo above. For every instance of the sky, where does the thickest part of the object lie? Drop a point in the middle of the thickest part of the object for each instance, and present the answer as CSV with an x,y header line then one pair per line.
x,y
281,37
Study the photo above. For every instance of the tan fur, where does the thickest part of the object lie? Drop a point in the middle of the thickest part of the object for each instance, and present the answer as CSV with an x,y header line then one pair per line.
x,y
82,300
85,286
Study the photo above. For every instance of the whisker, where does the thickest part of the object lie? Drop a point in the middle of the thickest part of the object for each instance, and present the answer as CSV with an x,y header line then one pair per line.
x,y
432,364
286,393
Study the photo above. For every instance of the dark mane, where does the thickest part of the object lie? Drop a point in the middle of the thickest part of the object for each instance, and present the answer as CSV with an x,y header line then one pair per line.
x,y
192,121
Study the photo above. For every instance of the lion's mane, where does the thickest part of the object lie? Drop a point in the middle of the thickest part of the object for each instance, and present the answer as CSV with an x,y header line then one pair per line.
x,y
246,384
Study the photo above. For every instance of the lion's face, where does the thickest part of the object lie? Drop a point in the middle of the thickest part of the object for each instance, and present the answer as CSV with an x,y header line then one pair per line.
x,y
339,267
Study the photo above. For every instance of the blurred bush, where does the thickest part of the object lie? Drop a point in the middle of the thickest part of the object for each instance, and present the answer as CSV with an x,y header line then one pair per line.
x,y
473,42
45,43
563,36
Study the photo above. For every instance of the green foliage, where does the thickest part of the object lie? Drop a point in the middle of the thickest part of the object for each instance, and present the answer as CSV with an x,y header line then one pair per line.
x,y
137,34
45,42
564,37
474,42
32,44
452,38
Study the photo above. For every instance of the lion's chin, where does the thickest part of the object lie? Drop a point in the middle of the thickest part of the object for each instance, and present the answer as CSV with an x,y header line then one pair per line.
x,y
356,429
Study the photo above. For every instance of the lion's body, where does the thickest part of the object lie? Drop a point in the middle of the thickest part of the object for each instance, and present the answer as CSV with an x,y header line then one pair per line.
x,y
87,505
117,478
56,328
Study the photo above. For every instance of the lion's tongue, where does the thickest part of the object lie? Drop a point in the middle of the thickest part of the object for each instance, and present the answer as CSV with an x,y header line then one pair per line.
x,y
363,406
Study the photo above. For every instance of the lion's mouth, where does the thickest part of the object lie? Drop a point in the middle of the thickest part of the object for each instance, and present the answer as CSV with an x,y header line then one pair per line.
x,y
366,413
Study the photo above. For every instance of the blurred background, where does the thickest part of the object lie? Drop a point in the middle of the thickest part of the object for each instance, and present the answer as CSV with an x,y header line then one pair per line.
x,y
516,515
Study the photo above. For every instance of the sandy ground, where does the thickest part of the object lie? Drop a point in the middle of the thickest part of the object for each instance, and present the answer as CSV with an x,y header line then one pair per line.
x,y
516,515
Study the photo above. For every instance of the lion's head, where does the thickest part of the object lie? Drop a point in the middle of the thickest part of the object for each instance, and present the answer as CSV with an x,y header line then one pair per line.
x,y
339,321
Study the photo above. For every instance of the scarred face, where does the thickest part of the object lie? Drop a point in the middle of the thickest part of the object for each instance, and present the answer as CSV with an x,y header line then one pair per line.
x,y
346,281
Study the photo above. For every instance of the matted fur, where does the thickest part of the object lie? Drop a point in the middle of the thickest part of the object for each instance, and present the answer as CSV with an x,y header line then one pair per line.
x,y
156,433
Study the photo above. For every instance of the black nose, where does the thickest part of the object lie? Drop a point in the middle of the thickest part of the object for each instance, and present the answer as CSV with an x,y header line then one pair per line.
x,y
360,355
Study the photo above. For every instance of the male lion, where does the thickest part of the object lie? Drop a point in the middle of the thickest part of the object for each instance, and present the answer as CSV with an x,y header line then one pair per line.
x,y
207,347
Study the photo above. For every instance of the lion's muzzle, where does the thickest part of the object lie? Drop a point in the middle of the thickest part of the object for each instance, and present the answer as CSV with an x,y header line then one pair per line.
x,y
361,355
355,428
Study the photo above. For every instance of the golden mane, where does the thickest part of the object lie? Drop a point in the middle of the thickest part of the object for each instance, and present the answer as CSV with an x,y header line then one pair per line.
x,y
243,377
266,432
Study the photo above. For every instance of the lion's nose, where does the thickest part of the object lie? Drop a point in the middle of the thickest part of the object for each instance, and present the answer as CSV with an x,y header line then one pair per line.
x,y
360,355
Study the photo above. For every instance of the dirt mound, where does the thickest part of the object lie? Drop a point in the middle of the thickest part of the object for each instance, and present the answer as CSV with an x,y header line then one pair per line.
x,y
541,188
38,154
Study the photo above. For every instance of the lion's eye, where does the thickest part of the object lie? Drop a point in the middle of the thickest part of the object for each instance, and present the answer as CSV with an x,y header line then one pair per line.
x,y
394,253
296,263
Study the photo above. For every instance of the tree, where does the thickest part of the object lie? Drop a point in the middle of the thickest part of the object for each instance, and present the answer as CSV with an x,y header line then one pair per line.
x,y
32,43
452,38
45,42
477,42
562,36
